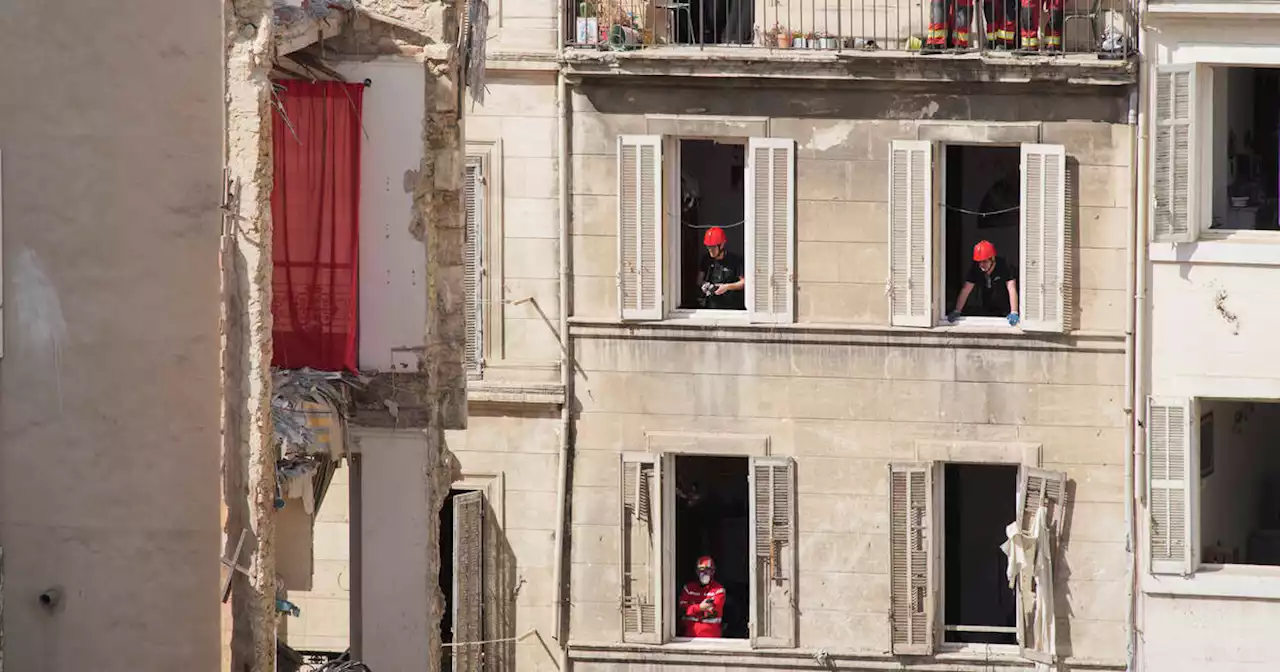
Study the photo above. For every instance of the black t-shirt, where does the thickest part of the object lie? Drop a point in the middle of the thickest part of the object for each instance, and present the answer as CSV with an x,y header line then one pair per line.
x,y
990,296
722,271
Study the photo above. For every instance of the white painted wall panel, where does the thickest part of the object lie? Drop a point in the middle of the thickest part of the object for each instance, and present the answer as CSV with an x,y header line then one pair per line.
x,y
392,262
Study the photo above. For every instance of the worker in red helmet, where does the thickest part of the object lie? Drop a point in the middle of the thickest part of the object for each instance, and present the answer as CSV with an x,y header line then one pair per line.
x,y
720,275
997,284
702,602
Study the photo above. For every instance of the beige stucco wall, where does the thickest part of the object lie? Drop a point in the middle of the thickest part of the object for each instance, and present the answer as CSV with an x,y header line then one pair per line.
x,y
850,397
325,623
109,379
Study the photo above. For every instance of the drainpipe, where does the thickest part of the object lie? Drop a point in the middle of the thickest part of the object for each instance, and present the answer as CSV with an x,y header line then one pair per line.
x,y
566,356
1135,335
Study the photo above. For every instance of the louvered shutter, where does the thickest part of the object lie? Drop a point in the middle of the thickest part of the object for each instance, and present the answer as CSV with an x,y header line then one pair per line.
x,y
641,600
1037,488
911,233
1172,163
773,543
911,559
1044,282
1170,486
473,264
640,227
771,225
468,581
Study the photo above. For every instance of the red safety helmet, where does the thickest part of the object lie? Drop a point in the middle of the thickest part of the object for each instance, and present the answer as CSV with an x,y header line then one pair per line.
x,y
983,251
705,562
714,236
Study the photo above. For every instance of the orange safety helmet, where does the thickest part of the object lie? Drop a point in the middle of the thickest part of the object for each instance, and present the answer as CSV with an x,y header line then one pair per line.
x,y
714,236
705,562
983,251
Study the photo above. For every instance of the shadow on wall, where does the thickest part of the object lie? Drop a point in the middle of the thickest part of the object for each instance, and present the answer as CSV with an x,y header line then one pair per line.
x,y
900,101
1062,575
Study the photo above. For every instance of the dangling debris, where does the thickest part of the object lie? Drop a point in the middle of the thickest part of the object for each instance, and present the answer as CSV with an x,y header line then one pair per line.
x,y
308,411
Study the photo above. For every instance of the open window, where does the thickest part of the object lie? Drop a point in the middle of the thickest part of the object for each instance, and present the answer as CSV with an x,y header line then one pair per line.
x,y
738,510
944,199
960,534
671,191
1213,484
1245,162
462,580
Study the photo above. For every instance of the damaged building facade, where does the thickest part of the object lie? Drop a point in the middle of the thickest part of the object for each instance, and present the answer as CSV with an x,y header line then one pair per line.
x,y
1208,566
859,466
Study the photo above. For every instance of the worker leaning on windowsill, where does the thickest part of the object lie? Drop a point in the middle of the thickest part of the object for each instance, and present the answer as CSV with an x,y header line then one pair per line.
x,y
997,283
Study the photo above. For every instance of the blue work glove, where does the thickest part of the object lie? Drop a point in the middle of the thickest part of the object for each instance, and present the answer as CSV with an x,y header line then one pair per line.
x,y
1014,319
953,316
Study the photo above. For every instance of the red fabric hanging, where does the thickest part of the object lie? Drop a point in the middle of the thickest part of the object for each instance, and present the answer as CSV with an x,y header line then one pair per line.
x,y
315,206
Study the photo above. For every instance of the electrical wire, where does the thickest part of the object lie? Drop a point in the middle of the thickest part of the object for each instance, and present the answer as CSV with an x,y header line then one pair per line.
x,y
954,208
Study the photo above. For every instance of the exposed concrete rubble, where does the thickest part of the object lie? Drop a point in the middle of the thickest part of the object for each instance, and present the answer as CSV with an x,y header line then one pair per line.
x,y
309,411
248,456
267,455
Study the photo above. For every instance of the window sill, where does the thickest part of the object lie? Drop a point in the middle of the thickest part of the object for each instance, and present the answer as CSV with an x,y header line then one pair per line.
x,y
1226,581
978,325
1246,248
502,392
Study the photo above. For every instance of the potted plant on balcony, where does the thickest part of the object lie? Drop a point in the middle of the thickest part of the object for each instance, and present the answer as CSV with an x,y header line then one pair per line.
x,y
799,40
777,35
827,41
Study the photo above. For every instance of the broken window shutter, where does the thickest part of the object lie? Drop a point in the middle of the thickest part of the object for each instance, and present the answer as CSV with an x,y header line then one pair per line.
x,y
1048,489
468,581
773,543
911,233
640,227
770,222
911,569
1044,276
641,583
1173,141
473,264
1170,485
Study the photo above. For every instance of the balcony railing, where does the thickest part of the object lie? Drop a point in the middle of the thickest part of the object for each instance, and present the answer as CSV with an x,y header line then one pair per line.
x,y
1105,28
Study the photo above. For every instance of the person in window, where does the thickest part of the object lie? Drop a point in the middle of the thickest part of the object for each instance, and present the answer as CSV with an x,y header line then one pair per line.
x,y
997,283
720,275
702,602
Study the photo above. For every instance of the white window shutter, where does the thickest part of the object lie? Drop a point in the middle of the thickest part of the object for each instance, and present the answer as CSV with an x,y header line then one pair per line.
x,y
771,225
473,263
911,233
468,580
773,544
1043,285
640,207
1039,488
911,559
1173,198
1171,484
641,562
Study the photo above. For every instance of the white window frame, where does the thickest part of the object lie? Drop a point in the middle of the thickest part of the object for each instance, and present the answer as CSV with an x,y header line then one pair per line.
x,y
1204,82
668,575
669,257
940,518
492,310
932,457
1200,579
671,234
938,257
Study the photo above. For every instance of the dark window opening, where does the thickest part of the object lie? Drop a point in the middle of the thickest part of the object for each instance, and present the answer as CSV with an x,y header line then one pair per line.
x,y
979,503
1246,149
713,518
712,193
711,21
1239,482
982,200
446,578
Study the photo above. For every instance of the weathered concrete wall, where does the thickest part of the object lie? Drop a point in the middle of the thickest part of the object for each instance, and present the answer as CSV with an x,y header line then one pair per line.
x,y
842,170
845,402
109,378
516,131
521,444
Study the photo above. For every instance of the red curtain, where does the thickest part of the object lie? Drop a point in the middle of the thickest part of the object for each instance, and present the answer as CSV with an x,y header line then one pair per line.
x,y
315,210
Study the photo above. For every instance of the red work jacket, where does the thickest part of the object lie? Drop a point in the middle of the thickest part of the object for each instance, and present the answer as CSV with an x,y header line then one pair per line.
x,y
699,623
